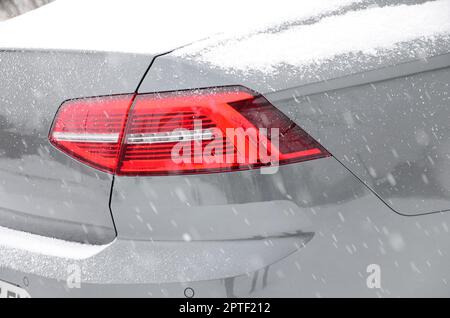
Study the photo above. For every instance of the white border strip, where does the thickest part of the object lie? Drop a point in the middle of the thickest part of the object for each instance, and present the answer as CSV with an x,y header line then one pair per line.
x,y
92,138
42,245
175,136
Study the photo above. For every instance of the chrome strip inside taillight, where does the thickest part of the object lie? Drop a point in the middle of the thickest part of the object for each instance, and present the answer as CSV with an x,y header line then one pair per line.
x,y
173,136
97,138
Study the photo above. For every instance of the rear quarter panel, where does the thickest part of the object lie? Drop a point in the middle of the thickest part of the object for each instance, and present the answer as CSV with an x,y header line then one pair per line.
x,y
384,118
43,191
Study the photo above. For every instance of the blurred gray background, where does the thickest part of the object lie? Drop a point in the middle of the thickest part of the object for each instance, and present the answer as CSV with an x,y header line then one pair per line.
x,y
12,8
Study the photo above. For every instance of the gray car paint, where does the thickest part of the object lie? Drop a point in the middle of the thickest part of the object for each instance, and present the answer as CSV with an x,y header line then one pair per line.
x,y
42,190
351,231
393,134
386,121
339,224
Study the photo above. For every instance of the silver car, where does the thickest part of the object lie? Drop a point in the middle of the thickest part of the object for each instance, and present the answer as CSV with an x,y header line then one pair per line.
x,y
247,149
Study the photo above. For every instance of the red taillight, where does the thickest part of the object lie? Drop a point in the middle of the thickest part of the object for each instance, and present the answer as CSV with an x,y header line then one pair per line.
x,y
91,129
194,131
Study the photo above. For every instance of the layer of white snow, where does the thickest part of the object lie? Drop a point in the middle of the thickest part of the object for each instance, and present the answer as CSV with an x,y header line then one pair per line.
x,y
366,31
47,246
143,26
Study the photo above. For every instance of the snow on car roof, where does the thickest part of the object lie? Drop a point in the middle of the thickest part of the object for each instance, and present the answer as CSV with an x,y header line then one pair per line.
x,y
142,26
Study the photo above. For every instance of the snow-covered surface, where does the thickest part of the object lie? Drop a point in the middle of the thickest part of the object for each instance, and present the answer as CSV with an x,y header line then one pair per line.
x,y
12,8
364,31
143,26
137,262
233,34
47,246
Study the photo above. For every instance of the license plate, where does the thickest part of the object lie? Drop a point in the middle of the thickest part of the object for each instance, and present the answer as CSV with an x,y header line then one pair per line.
x,y
8,290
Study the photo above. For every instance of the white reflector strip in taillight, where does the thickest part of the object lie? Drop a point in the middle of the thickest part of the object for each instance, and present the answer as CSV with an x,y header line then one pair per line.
x,y
96,138
168,137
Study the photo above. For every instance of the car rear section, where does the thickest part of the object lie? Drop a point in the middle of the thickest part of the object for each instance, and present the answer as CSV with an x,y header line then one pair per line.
x,y
353,180
43,192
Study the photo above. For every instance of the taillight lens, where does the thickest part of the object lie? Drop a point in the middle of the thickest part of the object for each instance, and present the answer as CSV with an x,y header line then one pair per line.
x,y
193,131
91,129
